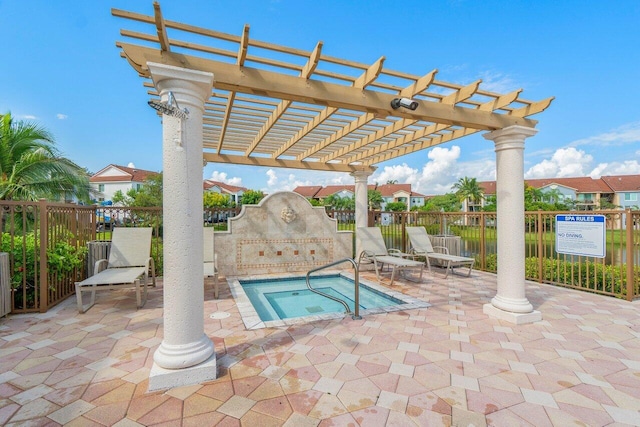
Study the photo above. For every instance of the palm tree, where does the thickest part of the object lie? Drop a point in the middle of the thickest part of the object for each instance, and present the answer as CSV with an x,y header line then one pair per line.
x,y
375,199
468,189
32,168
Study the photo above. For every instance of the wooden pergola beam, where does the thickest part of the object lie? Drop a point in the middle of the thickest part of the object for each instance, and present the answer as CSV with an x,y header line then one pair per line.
x,y
161,28
374,155
306,72
281,163
276,85
365,79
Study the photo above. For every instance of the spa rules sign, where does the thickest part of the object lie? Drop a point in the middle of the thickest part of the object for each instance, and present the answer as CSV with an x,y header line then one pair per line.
x,y
580,235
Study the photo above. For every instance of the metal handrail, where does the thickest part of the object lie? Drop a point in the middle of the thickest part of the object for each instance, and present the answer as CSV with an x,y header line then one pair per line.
x,y
354,316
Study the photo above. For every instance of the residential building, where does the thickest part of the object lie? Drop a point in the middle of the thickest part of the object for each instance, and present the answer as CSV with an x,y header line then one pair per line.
x,y
389,192
626,190
585,193
234,192
106,182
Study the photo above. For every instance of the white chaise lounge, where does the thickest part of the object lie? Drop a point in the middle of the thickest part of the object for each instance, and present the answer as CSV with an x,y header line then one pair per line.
x,y
128,261
421,246
373,249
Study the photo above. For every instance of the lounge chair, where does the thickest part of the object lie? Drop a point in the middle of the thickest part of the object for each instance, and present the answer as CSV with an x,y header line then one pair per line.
x,y
421,246
210,258
128,261
374,250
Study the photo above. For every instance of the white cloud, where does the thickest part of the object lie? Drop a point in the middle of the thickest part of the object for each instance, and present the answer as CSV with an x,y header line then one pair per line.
x,y
286,180
565,162
623,135
628,167
222,177
61,116
437,176
481,169
28,117
340,179
283,180
497,82
273,178
400,173
440,171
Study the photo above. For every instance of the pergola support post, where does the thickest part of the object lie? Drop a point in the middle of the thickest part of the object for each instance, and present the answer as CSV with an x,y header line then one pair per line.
x,y
510,303
362,201
186,355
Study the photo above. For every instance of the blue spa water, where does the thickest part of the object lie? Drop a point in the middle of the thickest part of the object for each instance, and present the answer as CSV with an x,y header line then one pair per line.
x,y
275,299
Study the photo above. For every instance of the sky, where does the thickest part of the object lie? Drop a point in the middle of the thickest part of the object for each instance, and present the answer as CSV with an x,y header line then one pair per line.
x,y
60,68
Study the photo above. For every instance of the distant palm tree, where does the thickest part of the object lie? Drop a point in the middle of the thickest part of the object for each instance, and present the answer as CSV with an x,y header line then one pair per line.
x,y
375,199
468,189
32,168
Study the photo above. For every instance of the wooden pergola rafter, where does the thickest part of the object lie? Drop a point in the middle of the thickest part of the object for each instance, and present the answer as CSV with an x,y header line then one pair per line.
x,y
278,106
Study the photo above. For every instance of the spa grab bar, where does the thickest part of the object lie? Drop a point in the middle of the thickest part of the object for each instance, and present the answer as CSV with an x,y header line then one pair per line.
x,y
356,315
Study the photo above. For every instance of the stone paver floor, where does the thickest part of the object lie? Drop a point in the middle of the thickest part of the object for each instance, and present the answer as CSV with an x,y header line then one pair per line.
x,y
448,364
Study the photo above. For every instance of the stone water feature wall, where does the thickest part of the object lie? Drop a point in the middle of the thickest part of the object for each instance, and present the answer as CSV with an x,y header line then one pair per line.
x,y
283,233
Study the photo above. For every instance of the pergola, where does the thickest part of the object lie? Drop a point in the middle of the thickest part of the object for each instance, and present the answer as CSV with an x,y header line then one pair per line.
x,y
256,103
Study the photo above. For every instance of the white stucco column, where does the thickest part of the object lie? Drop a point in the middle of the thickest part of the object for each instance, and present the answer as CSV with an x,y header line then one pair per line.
x,y
510,302
362,200
185,344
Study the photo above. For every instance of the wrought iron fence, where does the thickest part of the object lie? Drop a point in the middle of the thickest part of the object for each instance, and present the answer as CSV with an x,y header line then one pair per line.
x,y
617,274
47,245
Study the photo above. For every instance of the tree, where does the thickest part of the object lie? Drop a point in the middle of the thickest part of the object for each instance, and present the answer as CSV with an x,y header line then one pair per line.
x,y
338,203
149,195
375,199
396,206
151,192
392,181
216,200
32,168
252,197
468,189
447,202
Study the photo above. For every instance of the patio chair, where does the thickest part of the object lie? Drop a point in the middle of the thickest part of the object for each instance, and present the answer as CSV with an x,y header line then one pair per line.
x,y
421,246
210,258
374,250
128,261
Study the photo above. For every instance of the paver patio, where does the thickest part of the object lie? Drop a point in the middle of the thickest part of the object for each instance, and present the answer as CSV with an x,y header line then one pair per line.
x,y
448,364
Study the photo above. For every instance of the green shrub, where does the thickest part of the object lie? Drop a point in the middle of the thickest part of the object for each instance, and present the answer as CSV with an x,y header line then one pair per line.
x,y
590,275
62,260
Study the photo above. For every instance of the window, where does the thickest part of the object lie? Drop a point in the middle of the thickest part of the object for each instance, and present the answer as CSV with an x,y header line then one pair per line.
x,y
101,188
630,197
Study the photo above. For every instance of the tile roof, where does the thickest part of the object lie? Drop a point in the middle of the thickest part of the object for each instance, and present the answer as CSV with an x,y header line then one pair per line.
x,y
585,184
307,190
226,187
386,190
128,175
623,182
582,184
333,189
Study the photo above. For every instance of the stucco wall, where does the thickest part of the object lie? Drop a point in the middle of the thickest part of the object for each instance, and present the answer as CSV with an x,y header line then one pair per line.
x,y
284,233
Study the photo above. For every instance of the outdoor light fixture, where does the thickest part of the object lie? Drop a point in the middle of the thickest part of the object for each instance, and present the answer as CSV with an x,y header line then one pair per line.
x,y
170,108
404,102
